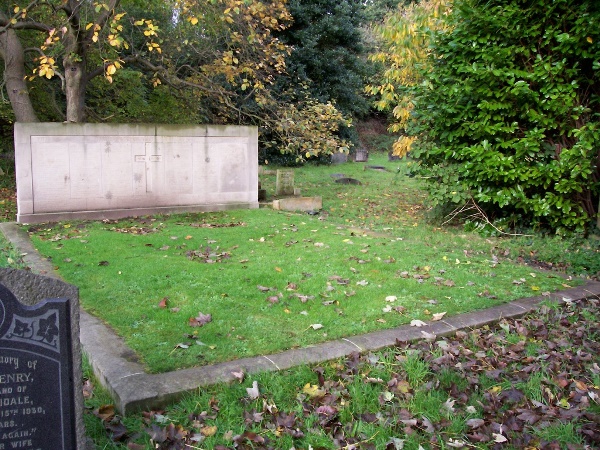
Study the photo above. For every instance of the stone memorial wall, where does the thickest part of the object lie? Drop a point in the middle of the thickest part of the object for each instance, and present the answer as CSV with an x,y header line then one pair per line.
x,y
91,171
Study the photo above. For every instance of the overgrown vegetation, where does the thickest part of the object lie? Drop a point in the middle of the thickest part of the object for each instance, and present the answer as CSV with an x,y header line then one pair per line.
x,y
526,383
506,108
508,117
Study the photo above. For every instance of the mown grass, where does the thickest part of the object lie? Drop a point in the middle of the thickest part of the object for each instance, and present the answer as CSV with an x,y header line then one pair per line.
x,y
274,280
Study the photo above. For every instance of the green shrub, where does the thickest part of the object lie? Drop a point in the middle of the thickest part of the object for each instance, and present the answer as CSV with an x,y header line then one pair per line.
x,y
509,114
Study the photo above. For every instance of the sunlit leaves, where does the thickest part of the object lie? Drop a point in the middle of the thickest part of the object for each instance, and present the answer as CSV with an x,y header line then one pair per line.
x,y
46,67
309,129
405,36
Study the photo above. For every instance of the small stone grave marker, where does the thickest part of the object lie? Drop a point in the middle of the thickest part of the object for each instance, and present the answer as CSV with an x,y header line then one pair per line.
x,y
41,404
339,158
284,184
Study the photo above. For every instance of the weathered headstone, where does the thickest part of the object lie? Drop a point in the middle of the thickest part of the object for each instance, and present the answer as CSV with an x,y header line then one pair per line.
x,y
284,184
361,155
339,158
41,404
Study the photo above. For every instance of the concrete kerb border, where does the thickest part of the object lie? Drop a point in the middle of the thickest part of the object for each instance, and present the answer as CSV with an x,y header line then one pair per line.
x,y
133,389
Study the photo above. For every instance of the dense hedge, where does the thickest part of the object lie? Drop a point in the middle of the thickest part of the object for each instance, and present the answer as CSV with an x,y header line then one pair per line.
x,y
509,114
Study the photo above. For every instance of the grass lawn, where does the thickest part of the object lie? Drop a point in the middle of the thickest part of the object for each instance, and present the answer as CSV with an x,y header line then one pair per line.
x,y
195,289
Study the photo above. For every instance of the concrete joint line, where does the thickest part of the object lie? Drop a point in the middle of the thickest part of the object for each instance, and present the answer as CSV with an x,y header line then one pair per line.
x,y
132,375
357,346
452,327
272,362
522,307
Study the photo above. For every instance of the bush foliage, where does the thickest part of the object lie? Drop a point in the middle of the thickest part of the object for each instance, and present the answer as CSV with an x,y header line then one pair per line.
x,y
508,112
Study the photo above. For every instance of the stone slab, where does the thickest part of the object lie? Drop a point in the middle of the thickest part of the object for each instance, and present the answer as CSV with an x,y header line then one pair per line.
x,y
298,204
85,171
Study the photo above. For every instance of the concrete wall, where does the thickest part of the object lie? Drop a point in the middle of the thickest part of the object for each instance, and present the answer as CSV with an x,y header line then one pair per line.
x,y
95,171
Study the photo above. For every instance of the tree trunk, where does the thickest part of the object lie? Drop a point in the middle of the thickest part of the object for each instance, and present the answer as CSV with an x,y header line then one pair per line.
x,y
75,85
11,51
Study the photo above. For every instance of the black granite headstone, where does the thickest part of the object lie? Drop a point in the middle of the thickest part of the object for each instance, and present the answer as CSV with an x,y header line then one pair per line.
x,y
40,384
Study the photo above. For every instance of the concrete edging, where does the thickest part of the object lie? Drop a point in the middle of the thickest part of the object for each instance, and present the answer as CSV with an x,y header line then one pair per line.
x,y
133,389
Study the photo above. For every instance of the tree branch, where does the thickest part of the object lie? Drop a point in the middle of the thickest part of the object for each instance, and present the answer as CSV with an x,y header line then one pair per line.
x,y
103,18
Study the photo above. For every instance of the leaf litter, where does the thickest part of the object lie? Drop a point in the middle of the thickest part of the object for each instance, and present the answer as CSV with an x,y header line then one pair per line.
x,y
490,391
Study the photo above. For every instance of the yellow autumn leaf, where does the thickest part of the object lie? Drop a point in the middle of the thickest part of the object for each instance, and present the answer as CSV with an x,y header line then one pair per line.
x,y
589,39
208,431
312,390
111,69
194,21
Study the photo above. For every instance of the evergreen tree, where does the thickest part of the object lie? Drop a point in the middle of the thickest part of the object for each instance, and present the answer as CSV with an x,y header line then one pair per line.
x,y
327,53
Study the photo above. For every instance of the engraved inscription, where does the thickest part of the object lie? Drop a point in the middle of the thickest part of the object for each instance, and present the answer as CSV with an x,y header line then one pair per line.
x,y
148,159
19,408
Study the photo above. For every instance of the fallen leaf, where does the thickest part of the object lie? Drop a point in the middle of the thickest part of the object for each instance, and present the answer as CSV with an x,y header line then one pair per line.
x,y
105,412
208,431
391,298
253,392
449,405
163,302
429,336
273,299
438,316
313,390
456,443
88,389
417,323
200,320
316,326
239,375
265,289
499,438
475,423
